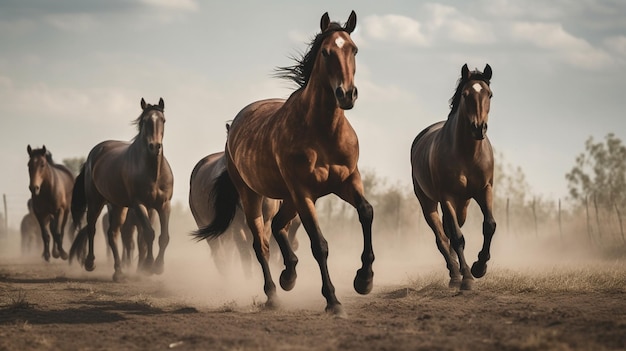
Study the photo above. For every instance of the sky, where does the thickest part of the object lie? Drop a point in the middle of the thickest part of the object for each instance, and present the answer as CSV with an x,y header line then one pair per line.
x,y
73,72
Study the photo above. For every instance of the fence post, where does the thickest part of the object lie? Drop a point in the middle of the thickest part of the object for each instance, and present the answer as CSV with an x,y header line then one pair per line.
x,y
588,221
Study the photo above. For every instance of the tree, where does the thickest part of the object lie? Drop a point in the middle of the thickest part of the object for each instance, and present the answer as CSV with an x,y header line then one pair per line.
x,y
600,172
74,164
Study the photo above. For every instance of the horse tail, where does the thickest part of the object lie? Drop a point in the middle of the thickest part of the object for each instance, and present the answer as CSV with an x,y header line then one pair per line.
x,y
79,246
79,200
224,198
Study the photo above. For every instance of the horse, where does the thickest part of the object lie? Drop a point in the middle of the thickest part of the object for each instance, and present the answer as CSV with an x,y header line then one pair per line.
x,y
299,150
51,194
29,230
452,162
203,178
126,175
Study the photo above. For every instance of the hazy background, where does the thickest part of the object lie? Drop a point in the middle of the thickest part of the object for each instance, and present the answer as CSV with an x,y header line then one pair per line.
x,y
72,74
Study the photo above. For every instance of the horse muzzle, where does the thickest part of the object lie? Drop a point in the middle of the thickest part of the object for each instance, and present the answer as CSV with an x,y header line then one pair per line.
x,y
34,189
155,148
346,98
479,130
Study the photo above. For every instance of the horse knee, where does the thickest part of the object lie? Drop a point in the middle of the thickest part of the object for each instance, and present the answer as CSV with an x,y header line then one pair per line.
x,y
366,212
489,227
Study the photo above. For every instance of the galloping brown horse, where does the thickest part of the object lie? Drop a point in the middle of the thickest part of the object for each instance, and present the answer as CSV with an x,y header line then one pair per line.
x,y
127,175
452,163
203,179
299,150
51,193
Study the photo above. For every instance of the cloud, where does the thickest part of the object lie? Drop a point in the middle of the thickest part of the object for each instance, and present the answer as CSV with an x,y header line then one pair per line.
x,y
552,37
71,21
394,28
617,44
448,22
178,5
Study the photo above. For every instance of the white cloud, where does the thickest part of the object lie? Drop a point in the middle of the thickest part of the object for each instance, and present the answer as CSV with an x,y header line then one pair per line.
x,y
450,23
552,37
71,21
179,5
617,44
394,28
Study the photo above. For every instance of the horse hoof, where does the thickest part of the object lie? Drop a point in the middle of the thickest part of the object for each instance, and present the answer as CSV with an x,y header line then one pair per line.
x,y
90,265
46,257
288,280
64,255
467,284
118,277
55,254
158,268
455,283
337,311
272,303
478,269
363,282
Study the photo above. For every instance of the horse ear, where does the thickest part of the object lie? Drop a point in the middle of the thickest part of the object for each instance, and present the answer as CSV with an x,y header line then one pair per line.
x,y
161,103
29,149
143,104
487,72
324,22
465,72
351,24
44,149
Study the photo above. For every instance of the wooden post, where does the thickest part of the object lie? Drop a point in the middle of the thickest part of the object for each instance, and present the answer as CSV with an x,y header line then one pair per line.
x,y
619,218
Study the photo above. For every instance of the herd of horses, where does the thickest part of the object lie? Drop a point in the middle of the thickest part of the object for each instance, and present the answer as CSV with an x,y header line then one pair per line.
x,y
280,157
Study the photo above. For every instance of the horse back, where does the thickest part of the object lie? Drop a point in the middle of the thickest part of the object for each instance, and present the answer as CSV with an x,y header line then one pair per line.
x,y
201,183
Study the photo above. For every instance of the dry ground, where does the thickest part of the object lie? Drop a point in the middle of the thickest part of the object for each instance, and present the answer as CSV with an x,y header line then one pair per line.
x,y
529,300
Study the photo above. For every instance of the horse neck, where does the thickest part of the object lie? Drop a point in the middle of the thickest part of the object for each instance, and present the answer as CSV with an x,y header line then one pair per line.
x,y
462,141
143,159
320,106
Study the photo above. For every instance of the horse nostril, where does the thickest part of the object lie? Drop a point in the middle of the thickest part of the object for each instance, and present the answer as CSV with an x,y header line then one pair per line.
x,y
339,93
355,93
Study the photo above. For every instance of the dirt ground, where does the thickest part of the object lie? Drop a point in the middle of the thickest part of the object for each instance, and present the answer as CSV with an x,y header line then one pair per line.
x,y
525,302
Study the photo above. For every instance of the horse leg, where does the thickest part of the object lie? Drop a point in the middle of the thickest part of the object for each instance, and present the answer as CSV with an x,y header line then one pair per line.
x,y
128,245
164,238
148,237
94,207
242,242
485,201
54,231
58,231
279,229
453,231
319,246
116,216
44,223
353,193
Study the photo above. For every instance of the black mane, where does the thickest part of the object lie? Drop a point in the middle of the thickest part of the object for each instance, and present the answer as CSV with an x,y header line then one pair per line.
x,y
456,98
300,73
139,120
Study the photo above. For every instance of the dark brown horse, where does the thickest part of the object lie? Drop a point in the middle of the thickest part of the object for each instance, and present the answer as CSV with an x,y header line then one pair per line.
x,y
203,179
127,175
51,193
452,163
299,150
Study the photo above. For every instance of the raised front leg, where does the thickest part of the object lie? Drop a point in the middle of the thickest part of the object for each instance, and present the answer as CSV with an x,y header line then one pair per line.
x,y
352,193
485,201
453,231
279,224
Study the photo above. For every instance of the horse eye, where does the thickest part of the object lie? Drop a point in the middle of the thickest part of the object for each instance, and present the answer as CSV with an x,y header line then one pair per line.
x,y
356,51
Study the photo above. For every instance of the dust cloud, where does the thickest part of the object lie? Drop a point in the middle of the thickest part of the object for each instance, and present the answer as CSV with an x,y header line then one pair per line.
x,y
402,257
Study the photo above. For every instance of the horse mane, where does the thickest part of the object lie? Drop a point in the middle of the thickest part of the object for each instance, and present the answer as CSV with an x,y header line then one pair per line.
x,y
149,107
300,73
456,98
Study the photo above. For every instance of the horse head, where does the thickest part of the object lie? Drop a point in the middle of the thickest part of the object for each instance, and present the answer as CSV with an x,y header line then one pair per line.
x,y
475,99
336,59
151,124
37,167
